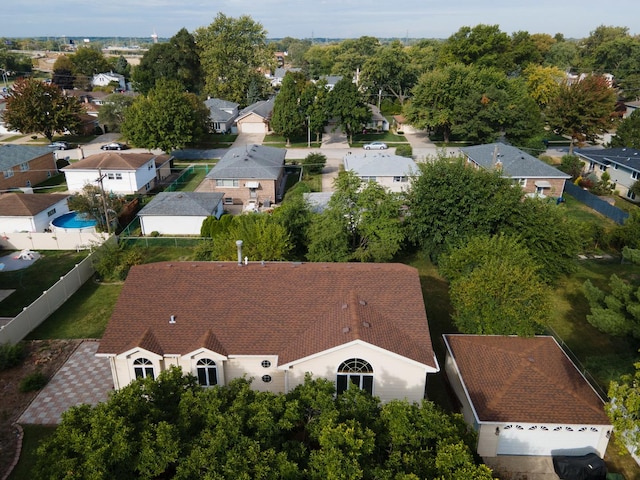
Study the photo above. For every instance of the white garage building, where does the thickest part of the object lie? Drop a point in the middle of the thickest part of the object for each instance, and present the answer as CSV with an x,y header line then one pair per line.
x,y
524,396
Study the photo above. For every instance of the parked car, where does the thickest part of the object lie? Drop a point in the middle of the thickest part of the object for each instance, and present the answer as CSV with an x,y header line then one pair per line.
x,y
375,146
60,145
114,146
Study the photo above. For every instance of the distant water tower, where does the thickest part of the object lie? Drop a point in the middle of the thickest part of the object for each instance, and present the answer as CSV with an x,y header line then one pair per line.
x,y
154,36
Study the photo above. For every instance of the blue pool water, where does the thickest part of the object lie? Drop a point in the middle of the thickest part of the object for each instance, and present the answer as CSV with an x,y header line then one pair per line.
x,y
73,220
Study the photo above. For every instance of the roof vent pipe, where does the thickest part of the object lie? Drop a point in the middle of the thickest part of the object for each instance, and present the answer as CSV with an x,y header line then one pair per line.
x,y
172,319
239,245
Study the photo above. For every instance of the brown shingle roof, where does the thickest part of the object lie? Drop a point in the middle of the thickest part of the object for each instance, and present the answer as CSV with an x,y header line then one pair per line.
x,y
514,379
27,205
285,309
116,161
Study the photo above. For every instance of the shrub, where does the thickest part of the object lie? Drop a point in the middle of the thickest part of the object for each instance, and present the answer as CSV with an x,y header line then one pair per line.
x,y
11,355
34,381
155,233
314,162
404,150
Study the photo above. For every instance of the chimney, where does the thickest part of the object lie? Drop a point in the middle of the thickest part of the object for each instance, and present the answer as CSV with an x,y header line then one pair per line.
x,y
239,245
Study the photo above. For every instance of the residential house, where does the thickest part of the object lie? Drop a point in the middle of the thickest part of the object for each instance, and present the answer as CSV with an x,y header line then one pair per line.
x,y
355,324
21,212
222,114
622,164
25,166
278,75
378,121
329,80
630,107
524,396
122,173
536,178
104,79
388,170
179,213
256,117
250,173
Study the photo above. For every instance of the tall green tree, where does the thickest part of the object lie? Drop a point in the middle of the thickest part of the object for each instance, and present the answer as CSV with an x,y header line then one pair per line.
x,y
389,70
314,101
543,83
232,50
87,62
624,410
628,132
98,205
617,310
63,72
167,118
112,113
362,222
345,103
450,202
178,59
36,107
582,110
482,46
352,54
495,288
288,118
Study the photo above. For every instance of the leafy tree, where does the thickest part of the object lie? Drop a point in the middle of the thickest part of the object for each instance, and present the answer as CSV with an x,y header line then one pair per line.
x,y
263,239
314,102
178,59
524,50
319,60
95,204
450,202
295,216
12,62
628,132
601,36
582,110
113,111
288,119
121,66
361,223
113,261
628,234
352,54
495,288
543,83
624,410
167,118
562,54
35,107
389,70
482,45
314,162
231,52
571,165
346,104
63,72
87,62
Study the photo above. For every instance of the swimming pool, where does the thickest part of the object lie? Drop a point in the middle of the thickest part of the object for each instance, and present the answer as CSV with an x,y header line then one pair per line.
x,y
72,222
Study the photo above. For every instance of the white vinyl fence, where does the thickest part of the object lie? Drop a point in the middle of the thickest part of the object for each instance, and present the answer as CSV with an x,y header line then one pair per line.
x,y
52,240
50,300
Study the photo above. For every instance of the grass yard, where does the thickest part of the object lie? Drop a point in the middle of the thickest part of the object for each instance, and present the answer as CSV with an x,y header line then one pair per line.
x,y
29,283
190,182
300,141
55,184
214,140
580,212
33,435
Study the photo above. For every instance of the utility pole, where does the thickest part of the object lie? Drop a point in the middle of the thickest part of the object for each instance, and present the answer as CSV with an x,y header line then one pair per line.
x,y
104,200
308,132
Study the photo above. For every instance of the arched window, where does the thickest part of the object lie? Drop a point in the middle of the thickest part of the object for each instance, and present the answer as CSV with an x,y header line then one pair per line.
x,y
207,372
143,368
355,372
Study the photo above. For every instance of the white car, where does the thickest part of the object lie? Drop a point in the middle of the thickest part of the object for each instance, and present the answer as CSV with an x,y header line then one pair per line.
x,y
375,146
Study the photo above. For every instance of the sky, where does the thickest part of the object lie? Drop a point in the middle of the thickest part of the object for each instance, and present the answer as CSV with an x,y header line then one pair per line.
x,y
315,19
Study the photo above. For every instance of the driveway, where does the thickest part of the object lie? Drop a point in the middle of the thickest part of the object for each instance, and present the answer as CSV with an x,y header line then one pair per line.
x,y
248,139
521,467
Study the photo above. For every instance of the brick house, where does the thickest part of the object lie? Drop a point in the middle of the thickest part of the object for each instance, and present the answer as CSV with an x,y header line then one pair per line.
x,y
25,166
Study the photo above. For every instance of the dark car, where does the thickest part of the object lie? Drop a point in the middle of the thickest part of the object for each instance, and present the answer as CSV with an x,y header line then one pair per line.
x,y
114,146
60,145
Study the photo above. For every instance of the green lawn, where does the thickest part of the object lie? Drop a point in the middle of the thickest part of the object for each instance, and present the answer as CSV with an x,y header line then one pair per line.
x,y
55,184
190,182
30,282
33,435
300,141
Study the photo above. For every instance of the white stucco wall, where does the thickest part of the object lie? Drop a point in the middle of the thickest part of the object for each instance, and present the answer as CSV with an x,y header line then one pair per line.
x,y
131,182
171,225
388,182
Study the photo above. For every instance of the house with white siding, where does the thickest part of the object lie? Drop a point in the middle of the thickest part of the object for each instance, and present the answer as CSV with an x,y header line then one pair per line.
x,y
356,324
388,170
622,164
22,212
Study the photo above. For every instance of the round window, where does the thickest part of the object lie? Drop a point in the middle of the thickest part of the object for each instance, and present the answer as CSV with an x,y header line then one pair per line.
x,y
266,378
266,363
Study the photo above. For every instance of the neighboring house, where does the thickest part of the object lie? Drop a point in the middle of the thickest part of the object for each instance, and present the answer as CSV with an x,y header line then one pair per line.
x,y
388,170
356,324
256,117
622,164
123,173
630,107
25,166
222,114
104,79
330,80
524,396
179,213
536,178
378,121
278,75
20,212
249,173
